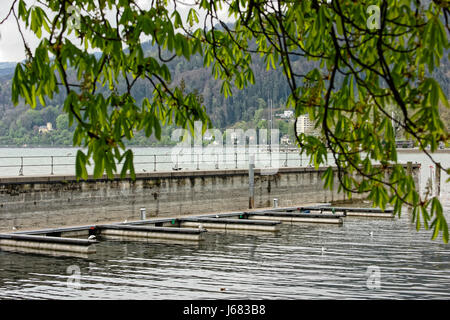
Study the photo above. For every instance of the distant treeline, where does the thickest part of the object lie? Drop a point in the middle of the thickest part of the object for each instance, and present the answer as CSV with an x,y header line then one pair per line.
x,y
246,108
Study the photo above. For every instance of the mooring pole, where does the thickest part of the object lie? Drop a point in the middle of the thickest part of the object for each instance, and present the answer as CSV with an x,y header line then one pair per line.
x,y
143,214
251,181
21,167
409,172
275,202
409,168
431,180
437,179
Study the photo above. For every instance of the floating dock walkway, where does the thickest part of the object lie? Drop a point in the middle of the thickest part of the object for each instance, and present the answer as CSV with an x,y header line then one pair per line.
x,y
232,224
82,240
358,212
41,244
344,211
292,218
114,231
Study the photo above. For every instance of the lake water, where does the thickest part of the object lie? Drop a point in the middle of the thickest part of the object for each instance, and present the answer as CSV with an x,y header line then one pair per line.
x,y
396,262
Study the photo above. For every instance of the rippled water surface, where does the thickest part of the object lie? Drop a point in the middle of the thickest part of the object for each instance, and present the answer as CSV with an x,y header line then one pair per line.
x,y
290,264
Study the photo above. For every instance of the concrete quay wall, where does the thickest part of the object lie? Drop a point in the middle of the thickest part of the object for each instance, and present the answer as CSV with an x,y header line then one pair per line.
x,y
57,201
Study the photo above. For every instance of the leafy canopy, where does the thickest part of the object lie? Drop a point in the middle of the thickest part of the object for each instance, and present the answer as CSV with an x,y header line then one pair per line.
x,y
371,73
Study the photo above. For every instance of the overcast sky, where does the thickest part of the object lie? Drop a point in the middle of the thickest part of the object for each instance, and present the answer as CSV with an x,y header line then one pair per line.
x,y
11,45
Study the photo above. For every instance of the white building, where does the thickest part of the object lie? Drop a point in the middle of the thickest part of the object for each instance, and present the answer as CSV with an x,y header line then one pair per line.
x,y
47,128
305,125
287,114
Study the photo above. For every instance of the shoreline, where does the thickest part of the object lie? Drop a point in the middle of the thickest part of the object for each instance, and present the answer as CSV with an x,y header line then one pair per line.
x,y
399,150
408,150
72,147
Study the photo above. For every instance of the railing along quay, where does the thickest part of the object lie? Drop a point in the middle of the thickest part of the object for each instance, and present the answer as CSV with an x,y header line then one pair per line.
x,y
65,164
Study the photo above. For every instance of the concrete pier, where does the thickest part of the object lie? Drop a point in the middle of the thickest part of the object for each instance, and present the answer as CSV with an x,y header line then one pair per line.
x,y
345,209
298,214
43,243
176,229
370,214
352,211
294,219
167,233
231,224
82,231
58,201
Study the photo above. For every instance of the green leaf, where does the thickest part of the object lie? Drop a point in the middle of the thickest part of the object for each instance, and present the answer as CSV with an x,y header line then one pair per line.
x,y
225,89
22,10
80,165
328,176
128,165
178,23
339,27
